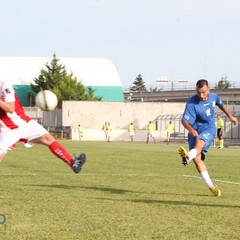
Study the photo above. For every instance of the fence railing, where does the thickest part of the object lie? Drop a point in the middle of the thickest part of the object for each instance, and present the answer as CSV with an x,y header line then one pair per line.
x,y
231,132
178,85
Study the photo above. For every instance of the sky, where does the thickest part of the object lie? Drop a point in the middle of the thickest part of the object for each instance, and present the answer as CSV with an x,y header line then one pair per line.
x,y
179,39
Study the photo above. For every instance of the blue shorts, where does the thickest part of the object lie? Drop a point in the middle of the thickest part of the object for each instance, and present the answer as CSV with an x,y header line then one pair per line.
x,y
206,136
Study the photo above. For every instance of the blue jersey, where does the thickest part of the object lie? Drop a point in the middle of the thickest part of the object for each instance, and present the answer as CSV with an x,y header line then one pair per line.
x,y
201,114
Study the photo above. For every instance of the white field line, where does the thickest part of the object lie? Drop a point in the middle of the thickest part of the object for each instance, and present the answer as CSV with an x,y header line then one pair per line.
x,y
116,174
215,180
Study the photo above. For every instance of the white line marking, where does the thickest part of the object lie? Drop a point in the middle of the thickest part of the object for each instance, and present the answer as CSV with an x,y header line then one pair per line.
x,y
216,180
115,174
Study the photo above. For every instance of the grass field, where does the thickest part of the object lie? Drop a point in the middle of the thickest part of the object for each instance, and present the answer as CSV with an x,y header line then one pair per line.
x,y
125,191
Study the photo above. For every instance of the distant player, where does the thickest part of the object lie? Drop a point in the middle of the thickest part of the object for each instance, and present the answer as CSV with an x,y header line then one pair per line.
x,y
220,125
16,126
169,130
199,119
108,131
131,130
151,132
80,132
104,130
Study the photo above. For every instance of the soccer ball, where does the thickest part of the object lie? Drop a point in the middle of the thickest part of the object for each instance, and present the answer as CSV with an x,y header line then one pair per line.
x,y
46,100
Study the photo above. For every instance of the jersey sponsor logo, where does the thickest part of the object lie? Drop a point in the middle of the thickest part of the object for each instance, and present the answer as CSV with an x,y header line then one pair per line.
x,y
208,112
205,104
214,103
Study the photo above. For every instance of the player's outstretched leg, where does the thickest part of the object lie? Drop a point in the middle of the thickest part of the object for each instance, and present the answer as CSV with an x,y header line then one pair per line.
x,y
184,155
78,162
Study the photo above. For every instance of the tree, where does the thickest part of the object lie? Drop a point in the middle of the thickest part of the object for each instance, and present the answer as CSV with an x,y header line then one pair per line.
x,y
90,95
153,89
50,77
66,86
223,83
138,84
69,89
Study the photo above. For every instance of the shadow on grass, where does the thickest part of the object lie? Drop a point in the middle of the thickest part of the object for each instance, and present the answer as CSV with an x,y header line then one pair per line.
x,y
170,202
103,189
147,201
184,203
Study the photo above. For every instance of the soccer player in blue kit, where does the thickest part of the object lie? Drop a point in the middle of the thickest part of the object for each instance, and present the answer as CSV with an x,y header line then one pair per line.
x,y
199,119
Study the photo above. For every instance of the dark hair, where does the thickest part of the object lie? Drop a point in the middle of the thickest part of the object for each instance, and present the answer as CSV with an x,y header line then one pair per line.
x,y
202,82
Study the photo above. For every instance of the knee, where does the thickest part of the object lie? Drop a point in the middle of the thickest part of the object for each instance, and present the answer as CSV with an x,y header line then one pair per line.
x,y
199,145
47,139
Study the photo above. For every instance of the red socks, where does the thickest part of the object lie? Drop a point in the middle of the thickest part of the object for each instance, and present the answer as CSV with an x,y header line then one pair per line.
x,y
58,150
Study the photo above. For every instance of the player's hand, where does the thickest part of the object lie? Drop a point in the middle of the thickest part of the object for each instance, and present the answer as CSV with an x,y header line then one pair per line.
x,y
193,132
233,120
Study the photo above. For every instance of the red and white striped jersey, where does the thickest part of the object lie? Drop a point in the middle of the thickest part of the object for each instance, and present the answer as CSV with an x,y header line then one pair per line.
x,y
15,119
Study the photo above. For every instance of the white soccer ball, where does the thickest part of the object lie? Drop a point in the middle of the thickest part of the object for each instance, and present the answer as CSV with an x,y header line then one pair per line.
x,y
46,100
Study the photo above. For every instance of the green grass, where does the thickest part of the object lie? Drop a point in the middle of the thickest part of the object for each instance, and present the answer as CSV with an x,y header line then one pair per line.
x,y
125,191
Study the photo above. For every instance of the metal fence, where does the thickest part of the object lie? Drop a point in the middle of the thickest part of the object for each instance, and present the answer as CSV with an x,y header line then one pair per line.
x,y
231,132
173,85
52,121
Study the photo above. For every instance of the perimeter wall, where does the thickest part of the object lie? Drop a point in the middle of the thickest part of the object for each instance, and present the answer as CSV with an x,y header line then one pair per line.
x,y
92,115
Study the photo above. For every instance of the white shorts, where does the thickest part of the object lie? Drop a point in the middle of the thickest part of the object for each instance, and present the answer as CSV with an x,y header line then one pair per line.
x,y
25,133
150,134
131,134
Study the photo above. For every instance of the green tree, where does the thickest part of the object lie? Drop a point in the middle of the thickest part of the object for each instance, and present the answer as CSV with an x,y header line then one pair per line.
x,y
223,83
55,78
69,89
50,77
90,95
138,84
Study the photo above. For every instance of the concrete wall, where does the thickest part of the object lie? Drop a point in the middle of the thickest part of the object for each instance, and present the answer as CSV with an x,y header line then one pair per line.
x,y
92,115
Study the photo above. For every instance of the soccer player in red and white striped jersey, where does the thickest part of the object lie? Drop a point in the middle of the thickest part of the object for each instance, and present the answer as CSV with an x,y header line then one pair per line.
x,y
16,126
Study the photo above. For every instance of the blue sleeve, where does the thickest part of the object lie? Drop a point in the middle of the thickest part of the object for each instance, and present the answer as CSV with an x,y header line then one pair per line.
x,y
189,114
219,102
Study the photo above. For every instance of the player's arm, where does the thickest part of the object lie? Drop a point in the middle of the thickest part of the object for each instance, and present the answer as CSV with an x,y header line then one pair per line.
x,y
7,106
190,129
229,115
188,118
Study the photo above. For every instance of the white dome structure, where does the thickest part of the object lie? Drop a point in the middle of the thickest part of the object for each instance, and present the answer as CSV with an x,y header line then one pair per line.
x,y
99,73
